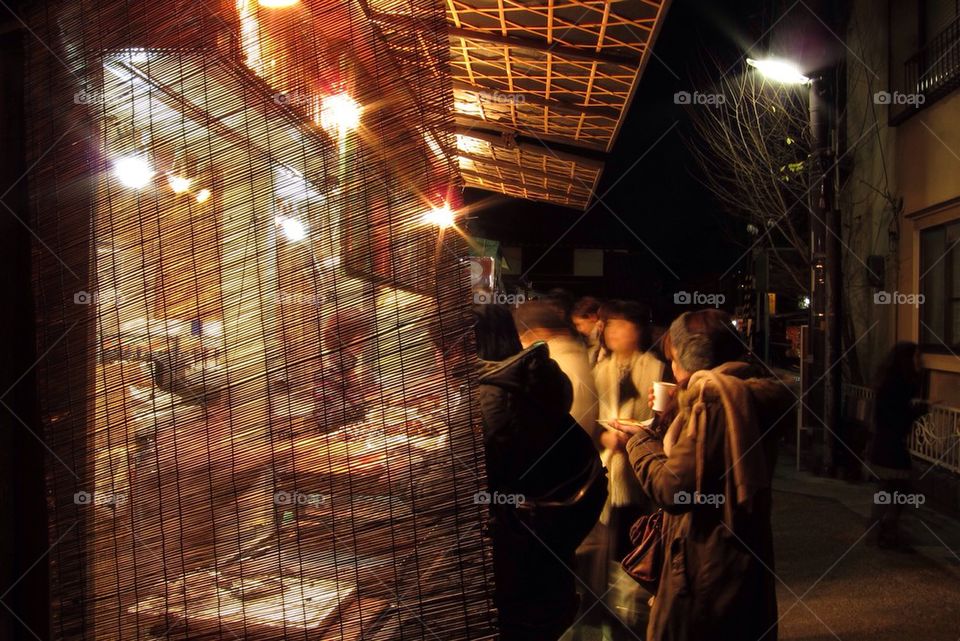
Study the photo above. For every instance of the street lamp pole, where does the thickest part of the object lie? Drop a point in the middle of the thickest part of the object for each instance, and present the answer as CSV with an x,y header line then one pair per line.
x,y
826,268
825,251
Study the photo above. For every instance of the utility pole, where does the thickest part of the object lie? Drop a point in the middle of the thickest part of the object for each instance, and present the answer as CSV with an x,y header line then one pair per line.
x,y
825,272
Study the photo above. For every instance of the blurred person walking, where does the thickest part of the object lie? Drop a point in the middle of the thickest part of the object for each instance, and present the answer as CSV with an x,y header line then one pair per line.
x,y
898,382
545,321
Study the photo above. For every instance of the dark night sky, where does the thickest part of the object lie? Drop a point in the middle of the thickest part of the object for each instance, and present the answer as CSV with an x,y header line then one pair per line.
x,y
659,198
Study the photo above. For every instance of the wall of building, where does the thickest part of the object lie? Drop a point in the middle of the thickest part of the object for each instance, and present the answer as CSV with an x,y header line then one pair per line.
x,y
902,180
869,192
928,145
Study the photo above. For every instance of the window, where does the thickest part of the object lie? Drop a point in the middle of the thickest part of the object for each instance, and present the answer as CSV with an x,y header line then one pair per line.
x,y
940,286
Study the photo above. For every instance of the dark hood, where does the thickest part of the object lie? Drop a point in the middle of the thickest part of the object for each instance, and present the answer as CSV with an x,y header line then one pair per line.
x,y
531,373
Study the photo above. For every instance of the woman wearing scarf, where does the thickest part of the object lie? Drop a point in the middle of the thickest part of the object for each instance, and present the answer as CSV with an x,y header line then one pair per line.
x,y
711,473
622,380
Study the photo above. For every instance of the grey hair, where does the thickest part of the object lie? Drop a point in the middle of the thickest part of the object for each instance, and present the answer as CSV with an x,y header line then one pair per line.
x,y
704,339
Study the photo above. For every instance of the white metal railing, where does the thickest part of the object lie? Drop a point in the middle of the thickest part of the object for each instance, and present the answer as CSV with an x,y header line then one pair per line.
x,y
935,437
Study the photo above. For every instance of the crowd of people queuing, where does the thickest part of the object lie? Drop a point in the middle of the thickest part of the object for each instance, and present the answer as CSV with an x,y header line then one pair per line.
x,y
567,401
566,398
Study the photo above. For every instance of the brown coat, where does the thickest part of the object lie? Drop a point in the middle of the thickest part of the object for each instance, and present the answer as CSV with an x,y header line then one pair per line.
x,y
717,580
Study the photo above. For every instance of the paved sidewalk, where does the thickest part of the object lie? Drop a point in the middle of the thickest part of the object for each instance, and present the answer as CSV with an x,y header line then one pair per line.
x,y
833,586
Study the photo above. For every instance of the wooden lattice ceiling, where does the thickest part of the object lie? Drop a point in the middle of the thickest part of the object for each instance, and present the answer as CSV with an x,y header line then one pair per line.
x,y
541,88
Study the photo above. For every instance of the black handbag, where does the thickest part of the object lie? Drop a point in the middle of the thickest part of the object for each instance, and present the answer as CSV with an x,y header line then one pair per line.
x,y
645,562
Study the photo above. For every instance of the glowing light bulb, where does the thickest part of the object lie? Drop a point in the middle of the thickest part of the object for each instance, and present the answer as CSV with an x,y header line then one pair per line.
x,y
278,4
178,184
339,113
293,229
441,216
203,195
133,171
779,70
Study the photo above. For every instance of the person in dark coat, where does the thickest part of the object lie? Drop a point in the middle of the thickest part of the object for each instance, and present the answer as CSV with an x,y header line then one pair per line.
x,y
898,383
711,473
545,480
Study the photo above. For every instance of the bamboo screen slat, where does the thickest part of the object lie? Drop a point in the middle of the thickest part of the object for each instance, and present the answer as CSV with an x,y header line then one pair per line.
x,y
244,303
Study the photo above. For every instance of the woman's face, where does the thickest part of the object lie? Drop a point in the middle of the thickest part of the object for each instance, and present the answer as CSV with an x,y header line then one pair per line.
x,y
585,324
621,336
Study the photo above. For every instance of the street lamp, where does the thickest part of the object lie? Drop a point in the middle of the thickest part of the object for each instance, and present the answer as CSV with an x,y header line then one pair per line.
x,y
825,255
782,71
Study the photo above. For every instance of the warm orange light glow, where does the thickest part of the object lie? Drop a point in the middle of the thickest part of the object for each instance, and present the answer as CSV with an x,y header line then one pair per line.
x,y
441,216
278,4
339,113
178,184
293,229
203,195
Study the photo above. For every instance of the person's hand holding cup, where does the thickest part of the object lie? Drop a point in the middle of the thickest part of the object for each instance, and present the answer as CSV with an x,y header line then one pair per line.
x,y
661,396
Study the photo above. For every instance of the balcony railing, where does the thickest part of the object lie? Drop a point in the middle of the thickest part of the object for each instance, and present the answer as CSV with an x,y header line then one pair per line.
x,y
935,437
929,74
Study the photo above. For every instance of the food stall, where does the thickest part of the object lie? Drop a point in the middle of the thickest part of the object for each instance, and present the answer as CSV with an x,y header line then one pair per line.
x,y
254,430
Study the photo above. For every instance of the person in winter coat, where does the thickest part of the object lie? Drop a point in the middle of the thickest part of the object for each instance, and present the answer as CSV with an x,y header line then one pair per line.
x,y
546,473
622,379
545,321
711,473
898,383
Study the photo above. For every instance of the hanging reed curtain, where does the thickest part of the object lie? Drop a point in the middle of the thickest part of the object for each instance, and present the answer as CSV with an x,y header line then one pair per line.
x,y
251,327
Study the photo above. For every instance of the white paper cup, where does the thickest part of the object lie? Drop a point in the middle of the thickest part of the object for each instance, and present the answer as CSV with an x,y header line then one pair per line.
x,y
661,395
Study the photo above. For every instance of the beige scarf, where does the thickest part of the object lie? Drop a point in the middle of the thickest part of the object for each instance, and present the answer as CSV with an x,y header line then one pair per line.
x,y
745,456
644,369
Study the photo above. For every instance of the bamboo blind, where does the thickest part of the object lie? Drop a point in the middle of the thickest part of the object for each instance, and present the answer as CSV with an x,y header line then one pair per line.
x,y
253,431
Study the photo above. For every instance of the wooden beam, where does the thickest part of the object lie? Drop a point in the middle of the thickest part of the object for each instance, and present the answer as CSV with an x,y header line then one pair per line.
x,y
562,106
526,171
493,181
545,144
572,188
563,51
535,148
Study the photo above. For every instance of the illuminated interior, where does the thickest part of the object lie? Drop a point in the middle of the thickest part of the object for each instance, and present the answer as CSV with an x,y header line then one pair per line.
x,y
274,440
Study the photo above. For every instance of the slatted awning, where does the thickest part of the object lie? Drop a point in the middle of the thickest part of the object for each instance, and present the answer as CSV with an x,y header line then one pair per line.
x,y
541,88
